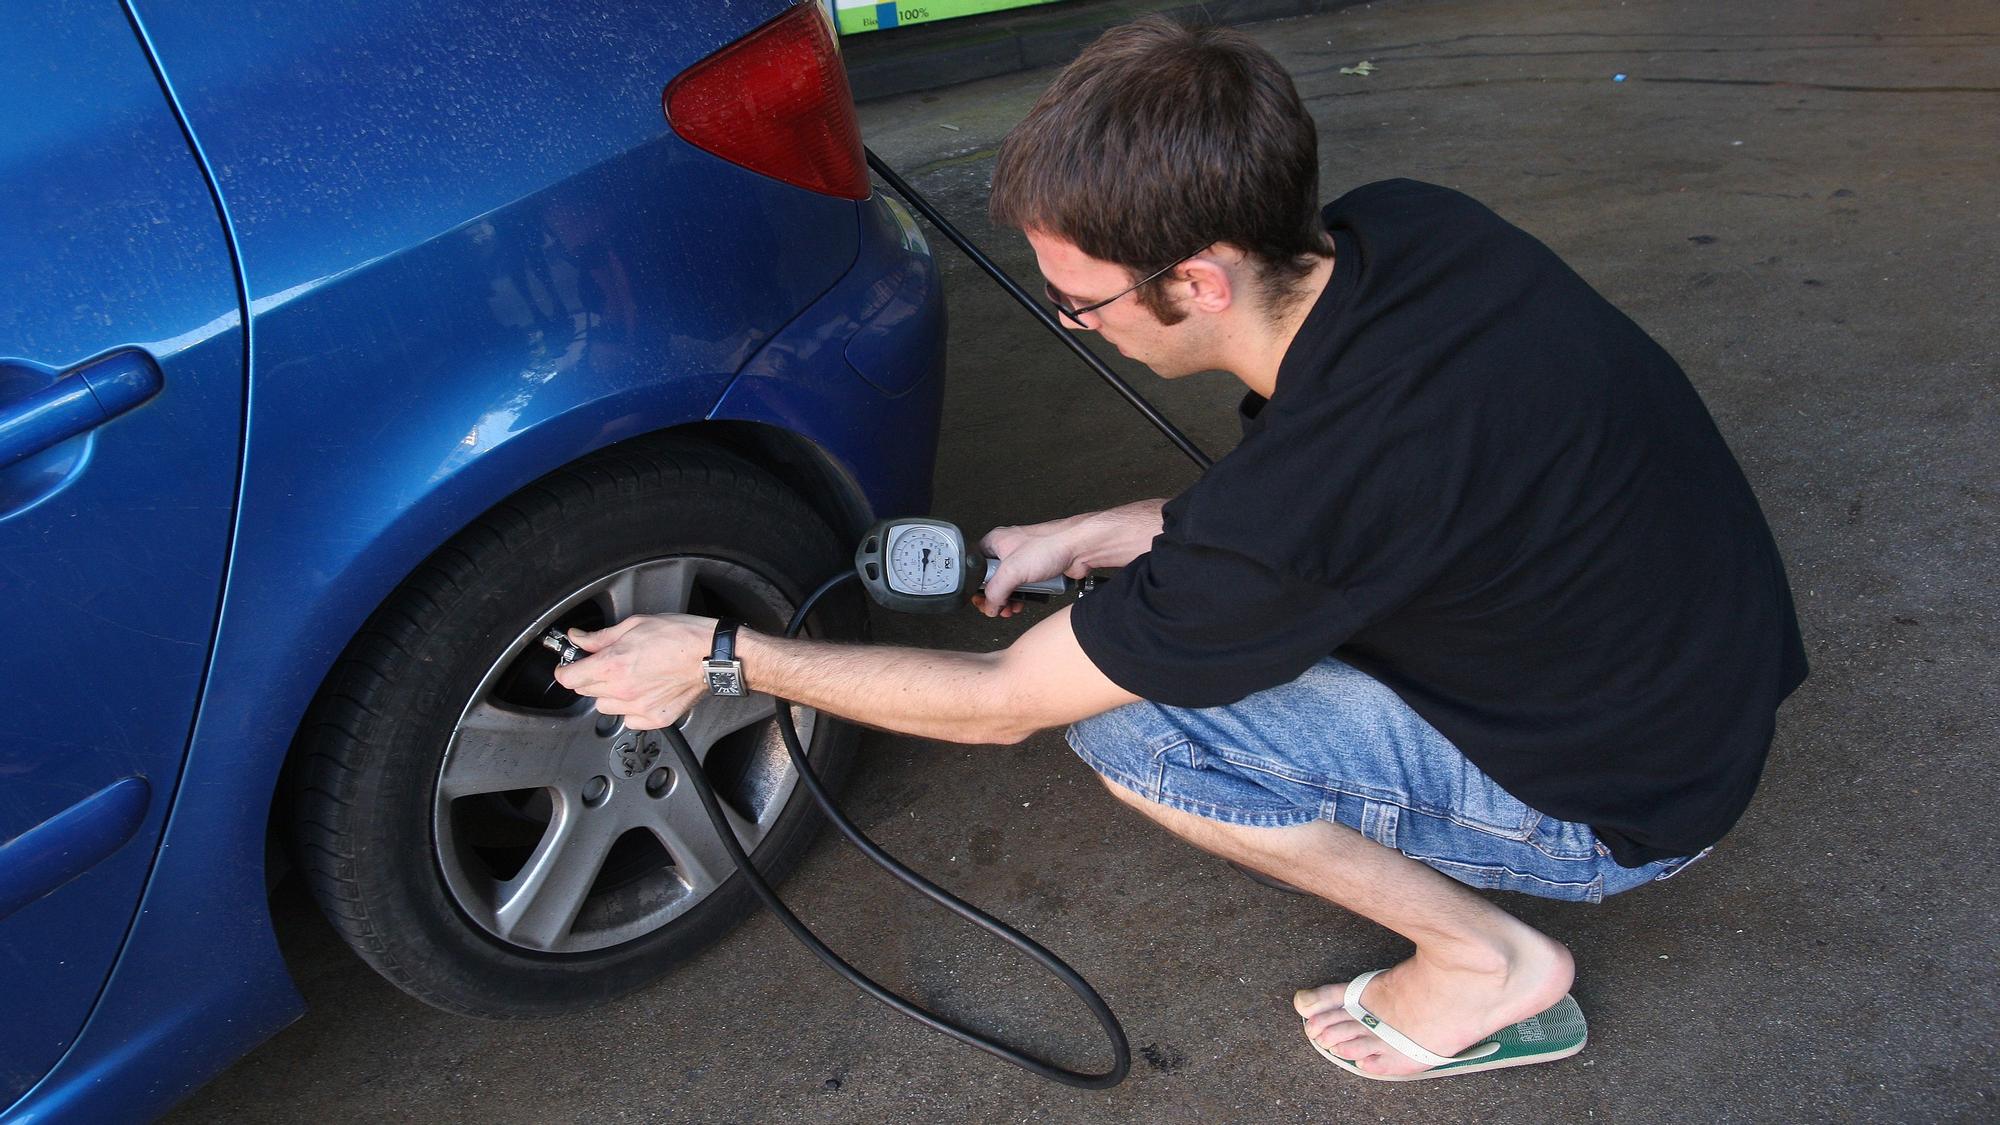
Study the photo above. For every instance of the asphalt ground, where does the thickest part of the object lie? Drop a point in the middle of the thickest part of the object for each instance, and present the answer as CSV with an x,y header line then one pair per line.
x,y
1800,201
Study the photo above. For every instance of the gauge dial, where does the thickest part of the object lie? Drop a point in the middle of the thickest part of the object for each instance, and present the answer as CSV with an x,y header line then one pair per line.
x,y
923,560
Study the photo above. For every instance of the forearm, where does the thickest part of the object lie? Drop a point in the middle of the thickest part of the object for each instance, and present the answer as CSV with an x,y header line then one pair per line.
x,y
953,696
648,669
1115,536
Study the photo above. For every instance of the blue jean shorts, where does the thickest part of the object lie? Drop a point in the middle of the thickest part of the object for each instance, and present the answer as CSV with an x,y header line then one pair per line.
x,y
1335,744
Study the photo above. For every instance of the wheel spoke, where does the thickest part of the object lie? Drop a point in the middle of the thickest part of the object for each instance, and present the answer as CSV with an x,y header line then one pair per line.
x,y
719,715
497,748
683,828
666,586
538,906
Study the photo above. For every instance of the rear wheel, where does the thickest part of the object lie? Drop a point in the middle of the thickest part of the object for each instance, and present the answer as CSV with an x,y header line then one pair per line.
x,y
484,838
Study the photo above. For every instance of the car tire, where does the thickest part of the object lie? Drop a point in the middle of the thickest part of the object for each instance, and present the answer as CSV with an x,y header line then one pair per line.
x,y
449,795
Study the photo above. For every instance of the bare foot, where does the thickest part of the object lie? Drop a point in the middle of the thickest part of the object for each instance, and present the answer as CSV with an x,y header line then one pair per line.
x,y
1444,1007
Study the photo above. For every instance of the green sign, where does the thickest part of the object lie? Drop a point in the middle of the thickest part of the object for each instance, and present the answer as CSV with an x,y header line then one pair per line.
x,y
856,16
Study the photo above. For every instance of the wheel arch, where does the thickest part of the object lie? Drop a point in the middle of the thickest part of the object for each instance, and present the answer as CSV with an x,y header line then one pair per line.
x,y
798,462
793,459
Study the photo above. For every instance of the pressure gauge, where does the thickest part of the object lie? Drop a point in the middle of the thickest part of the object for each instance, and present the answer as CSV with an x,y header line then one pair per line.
x,y
924,560
918,565
925,566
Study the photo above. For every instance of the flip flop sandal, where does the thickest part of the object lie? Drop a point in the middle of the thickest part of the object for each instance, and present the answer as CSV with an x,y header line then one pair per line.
x,y
1555,1034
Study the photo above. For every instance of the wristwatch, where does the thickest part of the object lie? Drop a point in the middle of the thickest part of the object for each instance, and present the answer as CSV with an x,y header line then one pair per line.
x,y
722,670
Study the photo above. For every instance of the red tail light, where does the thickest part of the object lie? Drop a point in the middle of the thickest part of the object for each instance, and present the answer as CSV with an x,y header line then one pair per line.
x,y
776,102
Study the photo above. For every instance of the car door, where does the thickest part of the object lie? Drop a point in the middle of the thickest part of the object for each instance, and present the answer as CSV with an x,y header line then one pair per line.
x,y
121,404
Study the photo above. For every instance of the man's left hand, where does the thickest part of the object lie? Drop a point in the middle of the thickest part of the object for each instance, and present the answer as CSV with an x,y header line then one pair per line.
x,y
646,668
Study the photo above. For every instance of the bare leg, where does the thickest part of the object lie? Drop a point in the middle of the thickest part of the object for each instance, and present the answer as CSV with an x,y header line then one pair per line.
x,y
1476,968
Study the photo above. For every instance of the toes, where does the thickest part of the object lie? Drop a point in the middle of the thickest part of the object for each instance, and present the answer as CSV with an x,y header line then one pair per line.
x,y
1309,1002
1324,1021
1354,1050
1345,1034
1330,1027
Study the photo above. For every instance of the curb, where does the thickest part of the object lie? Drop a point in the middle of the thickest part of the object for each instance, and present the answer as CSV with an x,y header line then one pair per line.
x,y
930,56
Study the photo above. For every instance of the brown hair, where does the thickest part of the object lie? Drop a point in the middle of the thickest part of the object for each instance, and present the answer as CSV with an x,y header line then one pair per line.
x,y
1161,139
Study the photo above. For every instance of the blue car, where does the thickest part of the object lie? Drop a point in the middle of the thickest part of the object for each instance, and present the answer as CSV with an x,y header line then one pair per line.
x,y
346,349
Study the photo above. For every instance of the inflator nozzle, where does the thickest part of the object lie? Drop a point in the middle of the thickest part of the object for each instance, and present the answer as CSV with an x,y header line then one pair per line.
x,y
558,642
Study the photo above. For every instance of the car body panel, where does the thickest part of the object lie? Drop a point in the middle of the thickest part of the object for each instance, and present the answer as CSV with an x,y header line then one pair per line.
x,y
113,542
343,132
889,317
461,276
418,304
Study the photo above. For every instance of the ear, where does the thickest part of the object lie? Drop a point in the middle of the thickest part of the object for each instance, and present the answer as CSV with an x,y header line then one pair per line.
x,y
1211,276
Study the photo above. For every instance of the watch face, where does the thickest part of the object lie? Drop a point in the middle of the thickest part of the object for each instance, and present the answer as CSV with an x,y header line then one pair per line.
x,y
922,560
724,680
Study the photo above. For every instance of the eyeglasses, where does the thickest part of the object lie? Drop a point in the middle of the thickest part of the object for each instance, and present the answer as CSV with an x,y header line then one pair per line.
x,y
1061,300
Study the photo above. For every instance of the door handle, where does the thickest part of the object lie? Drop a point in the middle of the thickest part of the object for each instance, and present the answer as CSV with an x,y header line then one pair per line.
x,y
80,399
71,842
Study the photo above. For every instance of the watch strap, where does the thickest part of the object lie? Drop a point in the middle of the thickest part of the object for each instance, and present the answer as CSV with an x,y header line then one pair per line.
x,y
722,670
723,647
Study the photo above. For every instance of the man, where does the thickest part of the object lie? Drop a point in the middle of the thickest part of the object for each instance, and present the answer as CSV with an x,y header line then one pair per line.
x,y
1481,598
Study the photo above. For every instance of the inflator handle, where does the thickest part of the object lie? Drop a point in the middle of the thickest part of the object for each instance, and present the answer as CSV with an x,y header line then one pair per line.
x,y
1039,591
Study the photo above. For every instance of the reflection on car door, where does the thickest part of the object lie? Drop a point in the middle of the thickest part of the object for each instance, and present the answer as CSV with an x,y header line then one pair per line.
x,y
121,405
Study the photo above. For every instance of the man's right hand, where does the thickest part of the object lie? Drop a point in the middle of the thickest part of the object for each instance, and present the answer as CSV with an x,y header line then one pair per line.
x,y
1026,554
1072,547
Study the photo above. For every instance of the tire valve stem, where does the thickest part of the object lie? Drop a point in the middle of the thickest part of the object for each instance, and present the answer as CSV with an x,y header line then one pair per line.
x,y
558,642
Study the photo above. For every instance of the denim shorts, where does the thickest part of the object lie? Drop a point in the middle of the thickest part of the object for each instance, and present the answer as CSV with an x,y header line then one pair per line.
x,y
1335,744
